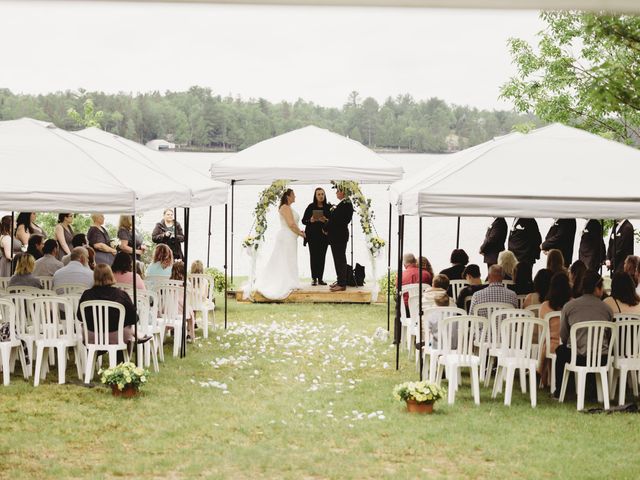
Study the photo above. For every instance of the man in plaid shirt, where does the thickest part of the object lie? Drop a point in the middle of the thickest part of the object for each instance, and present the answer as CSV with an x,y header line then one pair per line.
x,y
495,292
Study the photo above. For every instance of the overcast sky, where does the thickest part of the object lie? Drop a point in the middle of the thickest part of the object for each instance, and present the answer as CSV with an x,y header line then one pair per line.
x,y
279,53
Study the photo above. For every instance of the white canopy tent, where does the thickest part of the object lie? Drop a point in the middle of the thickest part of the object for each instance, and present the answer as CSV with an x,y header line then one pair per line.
x,y
307,155
555,171
61,171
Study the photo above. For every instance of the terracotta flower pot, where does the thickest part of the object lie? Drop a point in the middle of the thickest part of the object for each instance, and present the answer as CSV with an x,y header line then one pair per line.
x,y
415,407
128,391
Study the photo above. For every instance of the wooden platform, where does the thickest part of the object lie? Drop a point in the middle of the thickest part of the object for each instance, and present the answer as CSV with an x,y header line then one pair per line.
x,y
319,294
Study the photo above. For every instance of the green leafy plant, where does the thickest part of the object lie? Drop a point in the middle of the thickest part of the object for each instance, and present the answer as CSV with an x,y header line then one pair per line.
x,y
218,279
124,374
421,392
384,282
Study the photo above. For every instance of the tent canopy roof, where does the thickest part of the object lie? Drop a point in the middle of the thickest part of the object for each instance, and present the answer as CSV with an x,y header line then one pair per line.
x,y
204,191
307,155
555,171
58,170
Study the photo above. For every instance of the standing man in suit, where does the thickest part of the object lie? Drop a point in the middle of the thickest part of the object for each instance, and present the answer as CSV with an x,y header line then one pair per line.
x,y
525,240
494,241
337,229
561,235
620,245
592,250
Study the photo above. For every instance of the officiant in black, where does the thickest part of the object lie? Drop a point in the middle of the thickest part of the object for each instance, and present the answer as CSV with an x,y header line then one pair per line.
x,y
315,218
337,229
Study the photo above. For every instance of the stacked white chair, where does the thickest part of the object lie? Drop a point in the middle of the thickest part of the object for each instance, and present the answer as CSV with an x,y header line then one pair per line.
x,y
517,352
12,347
203,299
457,286
100,314
470,330
430,353
494,342
53,332
626,355
596,332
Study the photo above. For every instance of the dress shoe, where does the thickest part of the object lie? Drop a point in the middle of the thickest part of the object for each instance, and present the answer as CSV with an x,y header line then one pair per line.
x,y
334,284
314,282
338,288
320,282
144,339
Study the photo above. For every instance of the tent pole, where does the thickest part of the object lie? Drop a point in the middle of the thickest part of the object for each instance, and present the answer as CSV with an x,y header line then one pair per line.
x,y
458,234
351,224
135,289
233,184
209,238
420,344
613,268
13,234
226,249
605,254
183,343
399,301
389,273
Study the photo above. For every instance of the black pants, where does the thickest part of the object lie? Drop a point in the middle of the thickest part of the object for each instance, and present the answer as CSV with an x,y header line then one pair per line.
x,y
339,253
563,356
317,255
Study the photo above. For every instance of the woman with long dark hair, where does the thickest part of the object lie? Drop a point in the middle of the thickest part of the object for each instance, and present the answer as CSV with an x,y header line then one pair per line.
x,y
624,298
314,218
26,226
64,234
522,282
8,246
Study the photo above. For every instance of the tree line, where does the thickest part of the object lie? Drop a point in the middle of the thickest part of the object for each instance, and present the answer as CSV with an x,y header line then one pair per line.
x,y
199,119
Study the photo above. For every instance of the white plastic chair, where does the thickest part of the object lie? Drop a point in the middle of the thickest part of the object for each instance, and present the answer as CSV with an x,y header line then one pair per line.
x,y
430,351
521,299
626,355
126,287
470,330
203,299
74,300
596,336
457,286
535,309
494,345
486,310
13,346
4,282
407,327
23,323
152,280
100,314
547,320
169,297
517,352
47,282
147,353
508,282
33,291
53,332
70,288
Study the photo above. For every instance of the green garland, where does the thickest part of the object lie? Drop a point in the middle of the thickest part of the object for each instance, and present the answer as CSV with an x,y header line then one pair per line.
x,y
268,197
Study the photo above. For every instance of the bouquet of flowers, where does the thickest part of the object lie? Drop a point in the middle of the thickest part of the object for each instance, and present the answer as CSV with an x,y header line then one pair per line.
x,y
375,245
124,374
250,242
419,392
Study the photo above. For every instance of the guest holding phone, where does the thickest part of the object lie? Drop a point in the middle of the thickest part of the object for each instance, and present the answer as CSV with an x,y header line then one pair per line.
x,y
315,218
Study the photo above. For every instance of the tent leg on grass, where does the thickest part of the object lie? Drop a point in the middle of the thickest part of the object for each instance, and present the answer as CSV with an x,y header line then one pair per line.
x,y
13,235
388,273
135,286
209,238
399,302
226,249
352,265
420,344
183,343
233,185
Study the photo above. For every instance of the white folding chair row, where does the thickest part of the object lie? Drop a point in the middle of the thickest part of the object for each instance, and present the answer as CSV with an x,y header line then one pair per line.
x,y
535,309
70,288
517,352
626,355
47,282
457,286
169,296
11,347
203,298
147,353
597,333
433,340
521,299
4,282
548,354
486,310
33,291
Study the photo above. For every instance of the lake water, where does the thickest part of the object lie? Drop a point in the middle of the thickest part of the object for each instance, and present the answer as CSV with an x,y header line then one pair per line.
x,y
439,233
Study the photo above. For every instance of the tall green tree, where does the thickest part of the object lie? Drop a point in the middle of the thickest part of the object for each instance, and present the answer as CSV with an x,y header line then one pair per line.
x,y
585,71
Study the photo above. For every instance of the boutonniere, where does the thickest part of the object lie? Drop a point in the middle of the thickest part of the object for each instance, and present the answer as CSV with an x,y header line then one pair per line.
x,y
519,227
585,231
333,207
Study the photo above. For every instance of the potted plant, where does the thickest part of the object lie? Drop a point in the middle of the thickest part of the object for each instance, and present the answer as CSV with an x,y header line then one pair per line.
x,y
125,379
419,396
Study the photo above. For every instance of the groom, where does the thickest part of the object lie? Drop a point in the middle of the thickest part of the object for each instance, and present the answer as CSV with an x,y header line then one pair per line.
x,y
338,232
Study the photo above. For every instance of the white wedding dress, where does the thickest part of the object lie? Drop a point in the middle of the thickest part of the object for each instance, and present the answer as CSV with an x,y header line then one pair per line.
x,y
280,275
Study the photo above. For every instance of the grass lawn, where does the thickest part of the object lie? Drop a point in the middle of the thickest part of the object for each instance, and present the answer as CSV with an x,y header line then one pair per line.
x,y
308,395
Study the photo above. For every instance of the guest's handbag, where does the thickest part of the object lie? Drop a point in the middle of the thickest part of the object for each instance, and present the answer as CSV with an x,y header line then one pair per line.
x,y
351,279
359,275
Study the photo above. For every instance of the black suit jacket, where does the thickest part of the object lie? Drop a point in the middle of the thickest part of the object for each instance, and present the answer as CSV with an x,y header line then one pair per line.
x,y
338,225
525,239
561,235
592,251
624,245
494,240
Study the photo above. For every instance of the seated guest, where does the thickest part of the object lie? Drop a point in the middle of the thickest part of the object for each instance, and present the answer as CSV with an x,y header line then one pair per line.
x,y
631,264
587,308
426,265
103,289
76,272
122,269
623,298
162,262
49,263
507,260
178,273
540,288
91,263
411,274
432,319
496,291
24,273
197,267
576,274
459,260
555,261
522,281
34,247
440,287
472,276
78,240
559,294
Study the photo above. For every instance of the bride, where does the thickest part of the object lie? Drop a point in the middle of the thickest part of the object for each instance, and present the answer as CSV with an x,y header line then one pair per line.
x,y
280,275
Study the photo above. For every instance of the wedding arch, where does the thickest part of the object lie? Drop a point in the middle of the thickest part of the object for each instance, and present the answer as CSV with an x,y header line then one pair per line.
x,y
271,195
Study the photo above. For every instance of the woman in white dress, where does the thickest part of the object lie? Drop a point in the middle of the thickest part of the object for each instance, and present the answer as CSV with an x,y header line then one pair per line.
x,y
280,275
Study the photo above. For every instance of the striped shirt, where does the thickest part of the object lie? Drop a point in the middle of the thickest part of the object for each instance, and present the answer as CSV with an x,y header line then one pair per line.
x,y
494,293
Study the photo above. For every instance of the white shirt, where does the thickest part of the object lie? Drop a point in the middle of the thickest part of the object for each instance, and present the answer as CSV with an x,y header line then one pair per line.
x,y
73,273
